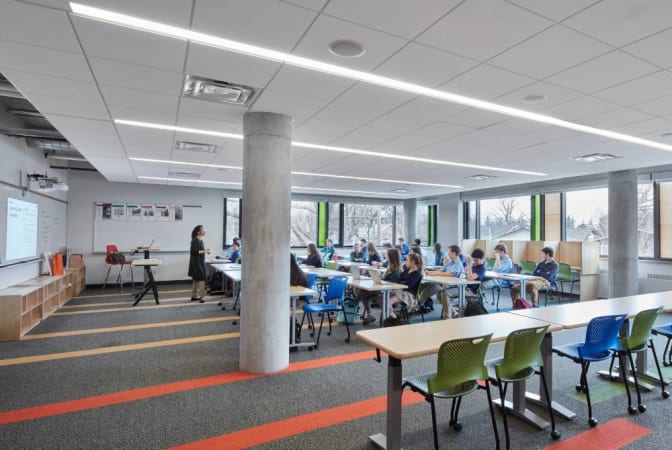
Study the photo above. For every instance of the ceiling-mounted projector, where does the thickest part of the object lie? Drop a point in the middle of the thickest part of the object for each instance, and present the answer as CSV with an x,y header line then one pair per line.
x,y
45,183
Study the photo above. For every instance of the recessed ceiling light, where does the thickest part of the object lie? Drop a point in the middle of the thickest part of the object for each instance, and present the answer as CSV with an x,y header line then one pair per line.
x,y
346,48
197,38
534,98
401,191
195,147
481,177
595,157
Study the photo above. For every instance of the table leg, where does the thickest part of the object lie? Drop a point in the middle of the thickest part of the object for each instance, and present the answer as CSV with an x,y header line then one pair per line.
x,y
392,439
462,288
152,283
522,289
384,306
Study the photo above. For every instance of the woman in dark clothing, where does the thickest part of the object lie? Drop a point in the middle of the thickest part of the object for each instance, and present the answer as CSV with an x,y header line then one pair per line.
x,y
296,275
391,274
411,277
313,259
372,254
197,263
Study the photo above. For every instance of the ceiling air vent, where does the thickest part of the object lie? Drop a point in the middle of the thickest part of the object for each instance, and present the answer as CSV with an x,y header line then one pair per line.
x,y
481,177
218,91
195,147
595,157
183,174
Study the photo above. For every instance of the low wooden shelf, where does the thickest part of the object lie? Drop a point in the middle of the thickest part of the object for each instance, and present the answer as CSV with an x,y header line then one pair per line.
x,y
78,279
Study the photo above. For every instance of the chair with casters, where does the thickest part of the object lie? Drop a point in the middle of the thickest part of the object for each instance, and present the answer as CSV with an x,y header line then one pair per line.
x,y
638,341
665,331
460,366
527,267
565,275
113,257
522,360
333,303
601,338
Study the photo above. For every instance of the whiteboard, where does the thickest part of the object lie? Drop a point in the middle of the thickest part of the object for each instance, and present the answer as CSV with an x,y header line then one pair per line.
x,y
51,228
169,236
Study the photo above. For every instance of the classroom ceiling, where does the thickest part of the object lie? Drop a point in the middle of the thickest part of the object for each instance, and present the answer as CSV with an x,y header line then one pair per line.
x,y
604,64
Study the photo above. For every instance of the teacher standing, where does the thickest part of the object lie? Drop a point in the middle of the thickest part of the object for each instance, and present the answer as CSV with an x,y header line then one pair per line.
x,y
197,264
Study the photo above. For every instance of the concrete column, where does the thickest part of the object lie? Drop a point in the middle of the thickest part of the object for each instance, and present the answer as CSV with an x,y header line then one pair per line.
x,y
264,325
623,241
410,213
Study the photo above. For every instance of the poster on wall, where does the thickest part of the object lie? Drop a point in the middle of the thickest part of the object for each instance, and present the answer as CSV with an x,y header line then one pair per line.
x,y
118,211
147,212
163,213
179,212
133,212
107,211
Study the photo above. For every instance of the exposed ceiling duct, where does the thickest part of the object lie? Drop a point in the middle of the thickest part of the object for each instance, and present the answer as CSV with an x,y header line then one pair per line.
x,y
7,90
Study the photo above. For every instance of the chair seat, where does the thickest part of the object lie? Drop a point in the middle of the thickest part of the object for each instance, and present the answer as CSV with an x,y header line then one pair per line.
x,y
520,376
572,351
664,330
319,307
419,383
623,345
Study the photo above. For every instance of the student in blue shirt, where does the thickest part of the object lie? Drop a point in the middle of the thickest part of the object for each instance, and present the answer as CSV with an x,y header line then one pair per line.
x,y
503,264
356,254
235,253
363,246
452,267
328,251
405,250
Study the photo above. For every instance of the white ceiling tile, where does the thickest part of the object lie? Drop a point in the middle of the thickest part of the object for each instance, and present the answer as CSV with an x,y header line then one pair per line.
x,y
142,115
657,125
442,130
33,25
211,110
536,56
295,106
430,109
319,131
554,96
42,60
399,17
133,76
270,24
315,43
605,71
208,124
655,49
133,46
148,152
658,107
81,125
56,105
65,88
293,80
424,65
640,90
482,29
315,5
372,96
145,137
476,118
133,98
149,169
554,9
581,107
370,134
399,123
486,82
620,22
618,117
348,116
231,67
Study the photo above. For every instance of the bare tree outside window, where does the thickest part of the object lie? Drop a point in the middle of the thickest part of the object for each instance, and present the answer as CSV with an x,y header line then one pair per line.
x,y
645,219
303,228
588,217
421,225
232,219
334,222
505,218
371,222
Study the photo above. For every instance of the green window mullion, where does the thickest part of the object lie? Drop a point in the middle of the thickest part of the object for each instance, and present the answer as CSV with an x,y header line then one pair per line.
x,y
322,222
535,232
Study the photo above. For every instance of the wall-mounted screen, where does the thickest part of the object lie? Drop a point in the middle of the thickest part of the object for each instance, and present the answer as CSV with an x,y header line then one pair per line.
x,y
21,230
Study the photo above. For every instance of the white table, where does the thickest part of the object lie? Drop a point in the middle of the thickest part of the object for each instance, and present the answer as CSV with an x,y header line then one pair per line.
x,y
225,266
460,283
384,288
513,277
294,293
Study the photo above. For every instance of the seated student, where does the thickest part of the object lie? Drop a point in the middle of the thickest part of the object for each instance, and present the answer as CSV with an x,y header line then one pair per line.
x,y
417,242
363,246
438,255
391,274
386,248
356,254
411,277
546,269
373,258
404,248
452,268
328,251
313,259
234,256
296,275
476,271
418,251
503,264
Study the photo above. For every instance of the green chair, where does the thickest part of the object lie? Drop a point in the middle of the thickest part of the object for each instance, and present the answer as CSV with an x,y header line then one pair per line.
x,y
522,357
331,265
565,275
460,367
489,263
527,267
638,341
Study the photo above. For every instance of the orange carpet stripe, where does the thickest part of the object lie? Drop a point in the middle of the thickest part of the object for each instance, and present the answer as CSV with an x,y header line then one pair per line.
x,y
614,434
296,425
99,401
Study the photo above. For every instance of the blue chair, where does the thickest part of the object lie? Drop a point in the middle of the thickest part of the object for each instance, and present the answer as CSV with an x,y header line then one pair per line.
x,y
333,303
552,287
601,338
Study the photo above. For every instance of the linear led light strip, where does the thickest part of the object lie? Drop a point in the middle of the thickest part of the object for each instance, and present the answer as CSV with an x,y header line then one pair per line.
x,y
355,151
293,187
310,174
311,64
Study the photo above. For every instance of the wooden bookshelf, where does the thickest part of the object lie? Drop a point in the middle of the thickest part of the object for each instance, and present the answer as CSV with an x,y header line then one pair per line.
x,y
78,279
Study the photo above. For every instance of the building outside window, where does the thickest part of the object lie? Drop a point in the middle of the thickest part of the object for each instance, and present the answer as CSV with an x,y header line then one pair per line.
x,y
587,217
505,218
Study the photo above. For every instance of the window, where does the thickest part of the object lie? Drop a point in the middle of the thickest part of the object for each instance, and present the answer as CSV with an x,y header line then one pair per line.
x,y
232,210
421,225
303,228
371,222
334,223
645,219
587,216
399,225
471,220
505,218
665,205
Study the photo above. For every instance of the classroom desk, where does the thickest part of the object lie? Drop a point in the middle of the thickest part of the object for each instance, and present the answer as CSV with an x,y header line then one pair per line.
x,y
350,264
384,288
513,277
225,266
235,276
461,284
146,250
576,315
323,276
294,293
412,341
150,283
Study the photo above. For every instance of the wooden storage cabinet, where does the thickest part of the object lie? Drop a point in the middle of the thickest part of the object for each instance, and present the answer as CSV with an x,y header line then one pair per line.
x,y
78,279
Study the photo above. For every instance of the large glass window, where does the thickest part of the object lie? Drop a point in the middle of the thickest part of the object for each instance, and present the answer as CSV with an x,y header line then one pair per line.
x,y
334,222
665,205
303,229
471,220
232,220
645,219
399,225
421,225
371,222
588,216
505,218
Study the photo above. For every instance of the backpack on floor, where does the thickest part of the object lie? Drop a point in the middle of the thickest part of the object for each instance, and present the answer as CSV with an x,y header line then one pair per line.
x,y
521,303
475,308
427,306
351,311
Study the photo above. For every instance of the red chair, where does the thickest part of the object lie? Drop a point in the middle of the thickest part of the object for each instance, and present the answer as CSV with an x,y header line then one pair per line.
x,y
117,261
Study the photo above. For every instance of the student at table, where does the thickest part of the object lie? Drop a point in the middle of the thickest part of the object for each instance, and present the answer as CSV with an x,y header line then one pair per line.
x,y
546,269
372,256
391,274
235,253
476,271
313,259
296,275
363,246
418,251
438,255
417,242
503,264
328,251
356,254
197,271
411,277
386,248
452,267
404,248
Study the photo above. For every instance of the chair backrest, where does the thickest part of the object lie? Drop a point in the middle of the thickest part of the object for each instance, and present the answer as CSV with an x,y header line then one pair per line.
x,y
336,289
311,278
109,249
332,265
564,272
521,351
460,361
641,328
601,336
489,263
527,267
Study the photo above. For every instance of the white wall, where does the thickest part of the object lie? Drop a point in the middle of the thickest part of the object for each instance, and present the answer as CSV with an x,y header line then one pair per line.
x,y
449,222
86,188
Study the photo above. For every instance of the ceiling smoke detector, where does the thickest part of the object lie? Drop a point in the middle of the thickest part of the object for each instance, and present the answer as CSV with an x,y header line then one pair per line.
x,y
195,147
595,157
346,48
481,177
534,98
218,91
